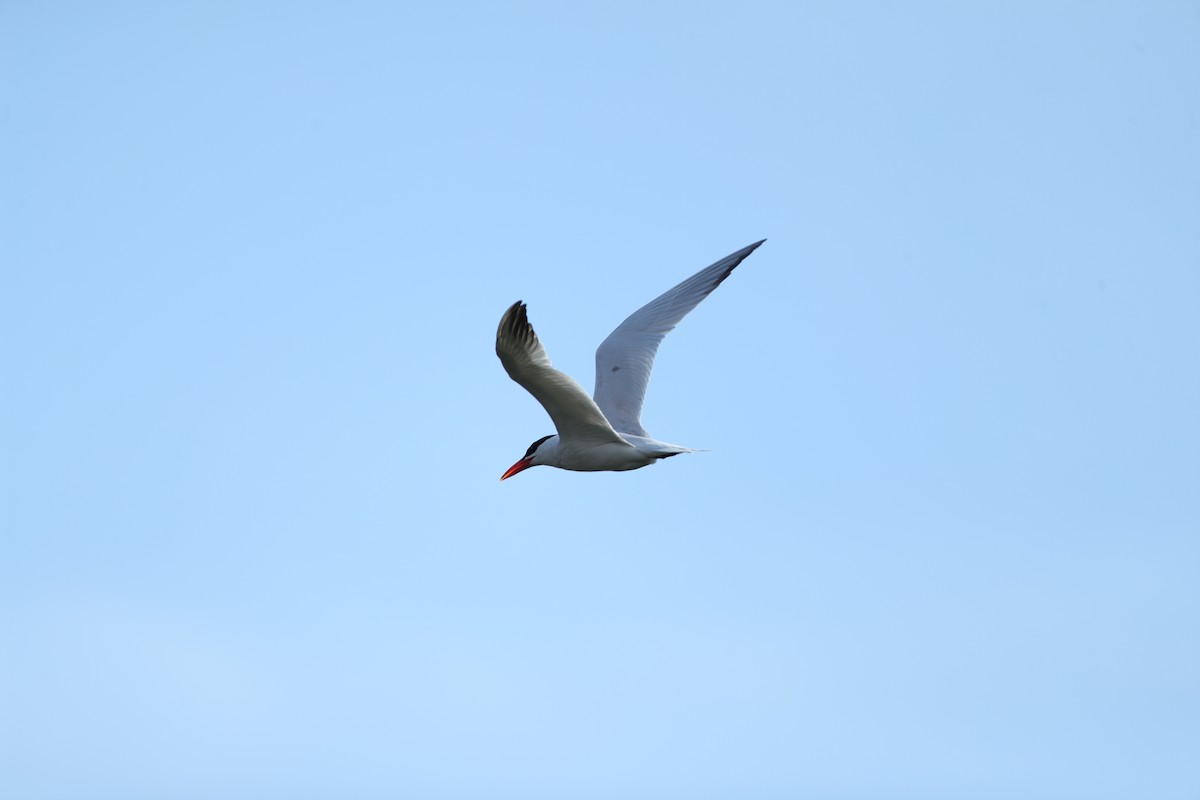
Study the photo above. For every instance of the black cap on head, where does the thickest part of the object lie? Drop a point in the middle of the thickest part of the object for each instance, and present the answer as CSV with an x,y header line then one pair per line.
x,y
535,445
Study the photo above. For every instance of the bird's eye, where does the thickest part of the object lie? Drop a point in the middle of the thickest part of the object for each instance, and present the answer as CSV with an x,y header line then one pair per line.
x,y
535,445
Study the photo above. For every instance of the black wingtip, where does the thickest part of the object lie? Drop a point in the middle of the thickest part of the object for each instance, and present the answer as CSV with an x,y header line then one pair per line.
x,y
738,257
515,323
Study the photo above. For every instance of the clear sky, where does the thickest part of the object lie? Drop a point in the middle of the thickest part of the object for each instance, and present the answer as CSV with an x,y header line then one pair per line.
x,y
945,542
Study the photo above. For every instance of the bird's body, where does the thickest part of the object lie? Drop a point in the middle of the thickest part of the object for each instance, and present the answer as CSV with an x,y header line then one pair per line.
x,y
604,433
631,453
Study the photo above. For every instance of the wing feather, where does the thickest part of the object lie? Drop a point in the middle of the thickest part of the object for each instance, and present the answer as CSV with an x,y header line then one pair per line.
x,y
624,360
575,415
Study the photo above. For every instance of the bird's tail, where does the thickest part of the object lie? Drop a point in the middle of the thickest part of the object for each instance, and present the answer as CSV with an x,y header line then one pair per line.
x,y
664,450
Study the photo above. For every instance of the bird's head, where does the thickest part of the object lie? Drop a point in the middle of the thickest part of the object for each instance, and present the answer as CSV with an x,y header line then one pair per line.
x,y
543,451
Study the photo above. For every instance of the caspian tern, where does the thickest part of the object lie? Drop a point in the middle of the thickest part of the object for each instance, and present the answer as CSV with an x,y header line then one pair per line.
x,y
604,433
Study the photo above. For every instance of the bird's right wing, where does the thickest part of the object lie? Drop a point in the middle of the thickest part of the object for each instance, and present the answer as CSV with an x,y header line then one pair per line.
x,y
624,360
576,416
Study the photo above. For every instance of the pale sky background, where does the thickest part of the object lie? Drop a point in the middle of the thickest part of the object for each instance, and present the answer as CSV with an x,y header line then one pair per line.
x,y
946,539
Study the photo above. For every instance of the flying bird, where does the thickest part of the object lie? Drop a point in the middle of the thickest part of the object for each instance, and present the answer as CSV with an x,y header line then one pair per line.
x,y
603,432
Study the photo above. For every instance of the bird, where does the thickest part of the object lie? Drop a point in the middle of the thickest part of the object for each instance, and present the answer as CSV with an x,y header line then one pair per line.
x,y
603,432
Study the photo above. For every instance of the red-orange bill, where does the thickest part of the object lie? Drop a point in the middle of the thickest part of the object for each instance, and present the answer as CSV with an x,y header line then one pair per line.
x,y
524,463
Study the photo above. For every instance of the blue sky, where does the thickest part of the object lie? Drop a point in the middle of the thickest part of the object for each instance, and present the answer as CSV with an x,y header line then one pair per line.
x,y
946,539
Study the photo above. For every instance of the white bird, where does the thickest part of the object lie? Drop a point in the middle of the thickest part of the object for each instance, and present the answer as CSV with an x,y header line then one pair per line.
x,y
604,433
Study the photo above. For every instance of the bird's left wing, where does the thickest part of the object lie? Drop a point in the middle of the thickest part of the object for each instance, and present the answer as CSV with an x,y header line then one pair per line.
x,y
575,414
